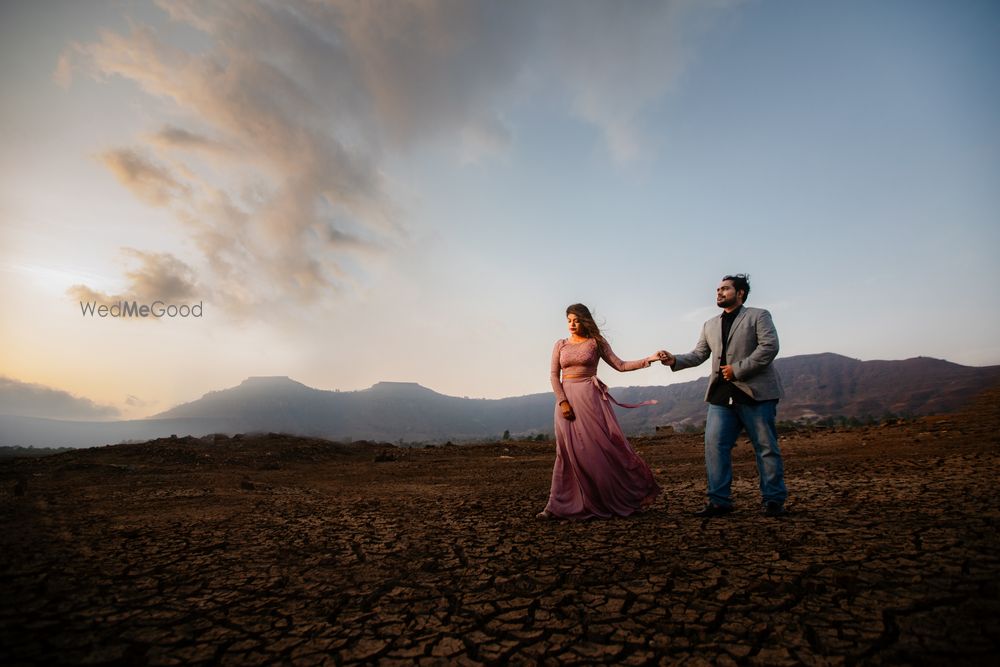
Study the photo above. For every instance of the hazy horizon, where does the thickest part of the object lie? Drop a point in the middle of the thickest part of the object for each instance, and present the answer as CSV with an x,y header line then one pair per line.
x,y
365,192
38,401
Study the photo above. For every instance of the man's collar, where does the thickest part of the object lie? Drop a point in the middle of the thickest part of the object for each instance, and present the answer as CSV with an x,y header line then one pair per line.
x,y
733,313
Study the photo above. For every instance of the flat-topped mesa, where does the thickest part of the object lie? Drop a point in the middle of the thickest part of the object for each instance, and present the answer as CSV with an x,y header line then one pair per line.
x,y
271,381
401,388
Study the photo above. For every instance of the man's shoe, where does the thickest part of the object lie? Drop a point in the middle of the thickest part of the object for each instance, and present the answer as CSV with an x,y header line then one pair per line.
x,y
711,510
773,508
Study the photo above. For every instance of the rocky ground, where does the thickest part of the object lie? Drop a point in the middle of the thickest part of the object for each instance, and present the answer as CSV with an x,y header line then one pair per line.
x,y
276,549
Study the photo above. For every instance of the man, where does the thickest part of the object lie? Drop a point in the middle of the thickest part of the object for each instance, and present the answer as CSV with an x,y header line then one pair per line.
x,y
743,394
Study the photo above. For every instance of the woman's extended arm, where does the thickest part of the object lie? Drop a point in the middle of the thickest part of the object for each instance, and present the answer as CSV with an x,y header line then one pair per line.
x,y
622,366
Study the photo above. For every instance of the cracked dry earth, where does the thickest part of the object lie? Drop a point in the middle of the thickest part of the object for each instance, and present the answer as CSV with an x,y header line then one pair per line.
x,y
273,549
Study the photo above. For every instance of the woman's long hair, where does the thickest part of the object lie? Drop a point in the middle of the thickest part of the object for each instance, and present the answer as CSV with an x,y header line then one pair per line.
x,y
588,327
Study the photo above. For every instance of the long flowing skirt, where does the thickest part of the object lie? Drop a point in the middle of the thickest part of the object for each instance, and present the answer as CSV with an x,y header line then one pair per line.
x,y
597,473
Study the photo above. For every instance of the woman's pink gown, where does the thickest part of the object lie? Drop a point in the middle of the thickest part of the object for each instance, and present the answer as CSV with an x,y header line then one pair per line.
x,y
597,473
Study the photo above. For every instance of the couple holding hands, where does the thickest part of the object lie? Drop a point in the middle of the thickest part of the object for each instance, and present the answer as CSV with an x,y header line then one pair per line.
x,y
597,473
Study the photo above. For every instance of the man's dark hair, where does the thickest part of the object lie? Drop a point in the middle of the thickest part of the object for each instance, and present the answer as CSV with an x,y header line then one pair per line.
x,y
741,282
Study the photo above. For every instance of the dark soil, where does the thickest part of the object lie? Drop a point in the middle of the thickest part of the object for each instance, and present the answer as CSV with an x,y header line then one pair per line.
x,y
280,549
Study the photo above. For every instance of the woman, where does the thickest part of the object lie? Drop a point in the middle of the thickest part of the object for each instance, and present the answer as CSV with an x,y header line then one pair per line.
x,y
597,473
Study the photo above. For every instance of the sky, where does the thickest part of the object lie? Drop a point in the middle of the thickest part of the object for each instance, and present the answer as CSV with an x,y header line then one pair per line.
x,y
356,192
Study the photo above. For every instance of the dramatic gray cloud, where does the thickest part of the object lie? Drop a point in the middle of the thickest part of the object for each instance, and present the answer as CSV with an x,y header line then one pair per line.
x,y
272,158
34,400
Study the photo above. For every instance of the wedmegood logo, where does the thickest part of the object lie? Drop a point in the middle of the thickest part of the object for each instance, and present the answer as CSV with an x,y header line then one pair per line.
x,y
156,309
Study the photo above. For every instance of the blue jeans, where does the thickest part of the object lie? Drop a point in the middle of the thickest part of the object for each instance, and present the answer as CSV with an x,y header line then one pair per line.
x,y
722,427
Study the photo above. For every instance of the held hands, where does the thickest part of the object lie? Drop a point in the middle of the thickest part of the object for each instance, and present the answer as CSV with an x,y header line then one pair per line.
x,y
665,358
567,411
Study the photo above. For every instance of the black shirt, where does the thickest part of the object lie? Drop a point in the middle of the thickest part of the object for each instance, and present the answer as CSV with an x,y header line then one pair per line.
x,y
723,391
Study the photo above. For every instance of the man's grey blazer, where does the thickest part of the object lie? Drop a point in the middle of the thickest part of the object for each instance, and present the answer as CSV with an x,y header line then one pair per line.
x,y
753,345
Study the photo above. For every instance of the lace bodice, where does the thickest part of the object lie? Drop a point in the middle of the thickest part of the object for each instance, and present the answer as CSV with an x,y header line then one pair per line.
x,y
581,359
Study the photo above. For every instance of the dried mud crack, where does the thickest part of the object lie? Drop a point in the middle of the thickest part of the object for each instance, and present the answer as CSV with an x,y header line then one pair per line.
x,y
287,550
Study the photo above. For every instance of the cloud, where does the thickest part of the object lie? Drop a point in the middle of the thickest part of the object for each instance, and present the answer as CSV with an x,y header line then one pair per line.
x,y
157,276
160,276
485,140
615,64
63,74
34,400
171,136
273,158
136,402
147,180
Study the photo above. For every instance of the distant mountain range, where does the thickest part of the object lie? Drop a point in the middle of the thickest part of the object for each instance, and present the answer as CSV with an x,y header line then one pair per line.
x,y
817,386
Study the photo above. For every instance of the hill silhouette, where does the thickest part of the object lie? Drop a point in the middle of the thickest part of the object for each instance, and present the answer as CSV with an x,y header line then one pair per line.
x,y
828,385
817,386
